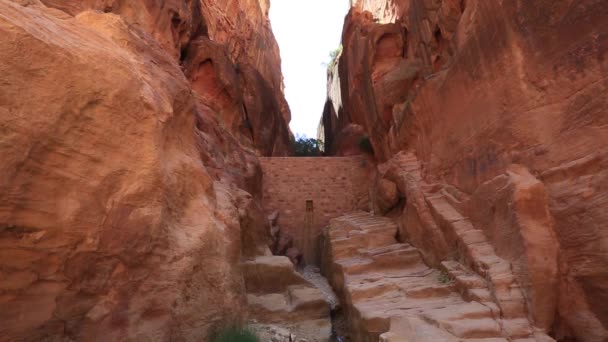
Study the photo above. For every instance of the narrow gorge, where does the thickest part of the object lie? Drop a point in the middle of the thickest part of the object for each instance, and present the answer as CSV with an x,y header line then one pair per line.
x,y
149,189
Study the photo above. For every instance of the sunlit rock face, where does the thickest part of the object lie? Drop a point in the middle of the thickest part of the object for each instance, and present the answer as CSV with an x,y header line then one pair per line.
x,y
243,29
240,57
500,102
129,184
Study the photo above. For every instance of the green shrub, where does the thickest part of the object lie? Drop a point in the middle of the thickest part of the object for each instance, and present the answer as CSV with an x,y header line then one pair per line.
x,y
334,55
236,335
444,277
307,147
366,145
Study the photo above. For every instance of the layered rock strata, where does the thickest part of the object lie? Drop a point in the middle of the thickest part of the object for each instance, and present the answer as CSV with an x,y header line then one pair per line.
x,y
129,182
234,65
498,100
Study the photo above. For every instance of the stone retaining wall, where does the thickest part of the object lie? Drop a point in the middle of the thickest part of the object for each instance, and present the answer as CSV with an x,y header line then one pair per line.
x,y
335,185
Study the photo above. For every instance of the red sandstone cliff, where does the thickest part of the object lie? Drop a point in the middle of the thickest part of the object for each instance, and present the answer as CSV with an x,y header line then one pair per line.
x,y
129,180
228,52
503,104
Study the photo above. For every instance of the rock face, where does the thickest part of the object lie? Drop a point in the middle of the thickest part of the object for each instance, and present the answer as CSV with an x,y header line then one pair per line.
x,y
234,65
123,176
499,103
257,108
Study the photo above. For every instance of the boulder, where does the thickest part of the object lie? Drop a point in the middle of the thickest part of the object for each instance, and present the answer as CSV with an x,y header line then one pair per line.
x,y
387,195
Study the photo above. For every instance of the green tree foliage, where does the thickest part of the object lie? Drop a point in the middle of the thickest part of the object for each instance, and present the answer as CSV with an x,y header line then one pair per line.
x,y
334,55
333,58
307,147
236,335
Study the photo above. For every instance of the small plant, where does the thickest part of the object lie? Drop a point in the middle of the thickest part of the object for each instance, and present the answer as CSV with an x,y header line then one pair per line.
x,y
236,335
444,277
307,147
366,145
333,58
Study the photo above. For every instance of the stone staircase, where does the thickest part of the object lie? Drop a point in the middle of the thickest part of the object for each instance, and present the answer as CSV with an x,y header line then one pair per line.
x,y
496,285
277,294
390,294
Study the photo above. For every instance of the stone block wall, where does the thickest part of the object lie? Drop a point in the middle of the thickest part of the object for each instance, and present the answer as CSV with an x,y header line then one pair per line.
x,y
335,185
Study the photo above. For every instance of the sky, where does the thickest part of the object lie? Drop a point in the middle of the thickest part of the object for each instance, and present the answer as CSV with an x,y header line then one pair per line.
x,y
307,31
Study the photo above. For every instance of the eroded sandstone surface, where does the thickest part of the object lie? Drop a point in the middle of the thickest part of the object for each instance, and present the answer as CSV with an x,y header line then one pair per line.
x,y
390,294
129,181
228,52
276,294
131,194
498,105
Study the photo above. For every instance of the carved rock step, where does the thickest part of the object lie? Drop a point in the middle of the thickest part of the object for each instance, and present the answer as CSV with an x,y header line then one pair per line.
x,y
479,254
389,293
298,303
270,274
383,258
277,294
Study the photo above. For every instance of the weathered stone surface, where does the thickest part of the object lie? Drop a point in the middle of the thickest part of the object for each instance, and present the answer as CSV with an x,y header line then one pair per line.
x,y
513,211
171,23
295,256
473,88
282,242
125,205
102,188
389,293
311,331
277,294
515,248
234,65
387,195
250,40
243,28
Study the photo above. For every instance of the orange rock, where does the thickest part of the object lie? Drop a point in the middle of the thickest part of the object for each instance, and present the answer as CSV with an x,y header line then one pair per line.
x,y
119,187
172,23
237,61
472,88
387,195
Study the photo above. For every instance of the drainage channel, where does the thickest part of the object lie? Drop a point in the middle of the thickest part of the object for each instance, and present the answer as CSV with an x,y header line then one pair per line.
x,y
338,320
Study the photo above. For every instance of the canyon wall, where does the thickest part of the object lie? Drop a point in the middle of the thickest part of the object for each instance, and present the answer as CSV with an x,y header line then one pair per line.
x,y
228,52
130,187
502,104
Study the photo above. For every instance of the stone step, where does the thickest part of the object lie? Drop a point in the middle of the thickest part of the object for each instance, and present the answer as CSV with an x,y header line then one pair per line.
x,y
367,239
277,294
390,294
270,274
298,303
480,256
396,259
411,328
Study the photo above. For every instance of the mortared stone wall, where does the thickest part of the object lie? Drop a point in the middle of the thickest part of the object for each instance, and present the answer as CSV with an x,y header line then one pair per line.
x,y
335,185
